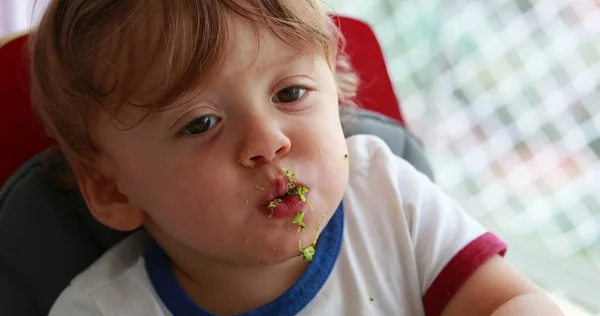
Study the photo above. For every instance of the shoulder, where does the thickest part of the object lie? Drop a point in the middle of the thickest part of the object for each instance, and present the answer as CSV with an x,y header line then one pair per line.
x,y
389,194
364,148
382,202
378,175
370,155
110,284
398,213
117,263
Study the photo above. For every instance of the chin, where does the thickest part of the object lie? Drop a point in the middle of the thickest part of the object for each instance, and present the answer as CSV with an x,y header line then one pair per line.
x,y
289,250
281,260
280,255
282,252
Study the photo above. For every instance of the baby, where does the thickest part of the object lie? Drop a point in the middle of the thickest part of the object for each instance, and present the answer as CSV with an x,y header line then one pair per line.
x,y
215,126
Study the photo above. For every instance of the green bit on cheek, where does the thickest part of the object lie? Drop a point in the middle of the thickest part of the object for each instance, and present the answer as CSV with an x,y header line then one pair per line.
x,y
301,191
299,219
347,159
258,187
291,176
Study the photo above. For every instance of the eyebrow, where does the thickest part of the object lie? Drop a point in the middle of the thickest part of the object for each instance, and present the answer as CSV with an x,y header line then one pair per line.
x,y
283,59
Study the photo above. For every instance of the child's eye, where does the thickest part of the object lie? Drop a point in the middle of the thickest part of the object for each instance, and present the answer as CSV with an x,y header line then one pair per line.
x,y
200,125
289,94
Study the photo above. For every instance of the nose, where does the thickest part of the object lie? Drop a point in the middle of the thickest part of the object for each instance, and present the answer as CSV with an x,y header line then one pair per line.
x,y
264,143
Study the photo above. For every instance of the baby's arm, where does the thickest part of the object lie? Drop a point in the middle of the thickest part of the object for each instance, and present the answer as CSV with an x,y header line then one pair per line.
x,y
497,289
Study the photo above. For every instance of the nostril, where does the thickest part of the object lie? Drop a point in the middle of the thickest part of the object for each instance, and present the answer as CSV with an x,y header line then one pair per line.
x,y
261,158
264,152
248,163
282,150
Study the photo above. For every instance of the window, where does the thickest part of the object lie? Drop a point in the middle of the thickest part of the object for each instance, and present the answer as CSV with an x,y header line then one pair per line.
x,y
506,97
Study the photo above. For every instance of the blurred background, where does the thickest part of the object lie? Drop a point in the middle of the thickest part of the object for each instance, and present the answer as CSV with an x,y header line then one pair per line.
x,y
505,94
506,97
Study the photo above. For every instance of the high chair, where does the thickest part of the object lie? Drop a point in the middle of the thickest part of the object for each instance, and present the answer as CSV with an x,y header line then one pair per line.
x,y
47,236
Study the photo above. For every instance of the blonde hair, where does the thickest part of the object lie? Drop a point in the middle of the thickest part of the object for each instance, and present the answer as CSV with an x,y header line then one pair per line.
x,y
89,56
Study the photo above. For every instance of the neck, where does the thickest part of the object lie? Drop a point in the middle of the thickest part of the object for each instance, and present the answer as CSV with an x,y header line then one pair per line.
x,y
230,289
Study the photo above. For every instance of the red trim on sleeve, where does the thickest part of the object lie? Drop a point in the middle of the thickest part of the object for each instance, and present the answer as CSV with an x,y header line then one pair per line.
x,y
459,269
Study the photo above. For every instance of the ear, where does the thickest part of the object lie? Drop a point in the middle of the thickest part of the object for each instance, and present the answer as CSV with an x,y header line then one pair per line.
x,y
107,203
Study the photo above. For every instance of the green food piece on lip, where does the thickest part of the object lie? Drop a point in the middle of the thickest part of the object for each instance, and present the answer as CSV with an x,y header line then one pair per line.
x,y
299,220
301,191
272,205
297,190
290,188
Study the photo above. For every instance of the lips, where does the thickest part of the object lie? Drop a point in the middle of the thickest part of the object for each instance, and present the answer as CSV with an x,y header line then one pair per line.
x,y
276,202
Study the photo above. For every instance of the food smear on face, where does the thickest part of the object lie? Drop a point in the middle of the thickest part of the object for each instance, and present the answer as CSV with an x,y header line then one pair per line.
x,y
318,227
291,176
273,204
258,187
294,189
310,205
347,159
299,221
307,253
301,191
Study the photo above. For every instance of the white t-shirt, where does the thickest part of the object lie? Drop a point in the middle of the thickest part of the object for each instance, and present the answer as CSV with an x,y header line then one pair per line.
x,y
396,245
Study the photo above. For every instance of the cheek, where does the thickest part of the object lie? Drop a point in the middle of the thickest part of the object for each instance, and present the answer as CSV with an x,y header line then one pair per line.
x,y
189,184
328,131
155,179
322,135
323,143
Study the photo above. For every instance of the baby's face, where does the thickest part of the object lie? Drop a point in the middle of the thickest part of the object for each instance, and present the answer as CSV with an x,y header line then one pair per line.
x,y
205,173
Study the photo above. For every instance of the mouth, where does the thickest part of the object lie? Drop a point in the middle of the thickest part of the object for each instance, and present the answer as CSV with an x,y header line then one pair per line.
x,y
285,198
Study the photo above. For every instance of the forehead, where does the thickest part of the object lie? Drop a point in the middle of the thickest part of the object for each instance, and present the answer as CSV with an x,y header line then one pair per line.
x,y
257,49
249,50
